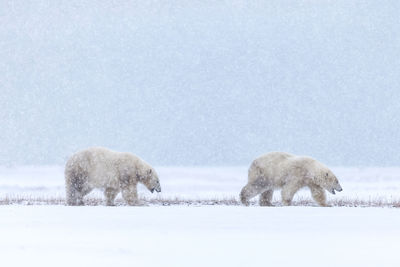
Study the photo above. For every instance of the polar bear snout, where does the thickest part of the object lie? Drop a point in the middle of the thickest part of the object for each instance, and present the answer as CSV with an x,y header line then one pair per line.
x,y
337,188
157,189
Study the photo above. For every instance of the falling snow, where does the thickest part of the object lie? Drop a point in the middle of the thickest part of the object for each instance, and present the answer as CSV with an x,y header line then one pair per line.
x,y
193,86
202,82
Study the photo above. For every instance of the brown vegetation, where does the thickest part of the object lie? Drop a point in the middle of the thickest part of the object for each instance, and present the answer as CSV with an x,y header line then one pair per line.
x,y
160,201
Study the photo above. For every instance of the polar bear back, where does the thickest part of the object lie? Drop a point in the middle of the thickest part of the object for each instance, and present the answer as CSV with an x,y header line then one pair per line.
x,y
103,166
276,166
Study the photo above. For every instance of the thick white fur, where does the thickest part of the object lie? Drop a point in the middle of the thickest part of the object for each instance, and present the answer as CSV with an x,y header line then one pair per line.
x,y
111,171
280,170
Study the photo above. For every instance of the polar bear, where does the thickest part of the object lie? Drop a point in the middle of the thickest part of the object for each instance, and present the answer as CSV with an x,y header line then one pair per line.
x,y
111,171
280,170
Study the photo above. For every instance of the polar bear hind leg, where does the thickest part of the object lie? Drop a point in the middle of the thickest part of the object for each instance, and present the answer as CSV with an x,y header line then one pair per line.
x,y
76,187
266,197
249,191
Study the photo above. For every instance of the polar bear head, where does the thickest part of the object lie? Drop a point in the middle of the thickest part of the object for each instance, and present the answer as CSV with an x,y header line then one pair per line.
x,y
326,179
151,181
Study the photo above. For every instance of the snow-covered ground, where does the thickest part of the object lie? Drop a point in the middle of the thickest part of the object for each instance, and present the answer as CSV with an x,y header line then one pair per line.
x,y
198,235
201,183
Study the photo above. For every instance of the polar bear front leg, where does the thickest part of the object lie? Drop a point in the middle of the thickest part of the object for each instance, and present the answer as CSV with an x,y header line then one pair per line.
x,y
288,191
129,193
318,195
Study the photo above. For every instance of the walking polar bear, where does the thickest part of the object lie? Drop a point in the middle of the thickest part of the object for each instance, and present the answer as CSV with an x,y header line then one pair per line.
x,y
279,170
111,171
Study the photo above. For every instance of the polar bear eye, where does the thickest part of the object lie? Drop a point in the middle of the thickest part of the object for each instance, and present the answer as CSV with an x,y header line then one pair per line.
x,y
326,174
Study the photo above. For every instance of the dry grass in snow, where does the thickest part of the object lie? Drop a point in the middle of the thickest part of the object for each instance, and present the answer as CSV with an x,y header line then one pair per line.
x,y
176,201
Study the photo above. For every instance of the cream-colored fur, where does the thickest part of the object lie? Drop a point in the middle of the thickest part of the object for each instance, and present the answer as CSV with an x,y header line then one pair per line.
x,y
111,171
280,170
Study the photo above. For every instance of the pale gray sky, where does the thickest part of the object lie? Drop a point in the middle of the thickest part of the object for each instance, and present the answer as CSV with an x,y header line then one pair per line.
x,y
200,82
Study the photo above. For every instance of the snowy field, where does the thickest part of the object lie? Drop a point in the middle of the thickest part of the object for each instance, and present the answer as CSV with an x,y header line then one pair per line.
x,y
195,183
198,235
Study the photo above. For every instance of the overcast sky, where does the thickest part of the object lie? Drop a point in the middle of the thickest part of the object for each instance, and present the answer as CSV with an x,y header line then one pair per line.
x,y
201,82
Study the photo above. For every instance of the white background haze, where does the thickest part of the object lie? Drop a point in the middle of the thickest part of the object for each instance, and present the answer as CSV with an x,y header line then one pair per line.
x,y
200,82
